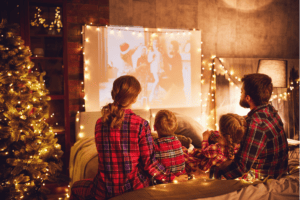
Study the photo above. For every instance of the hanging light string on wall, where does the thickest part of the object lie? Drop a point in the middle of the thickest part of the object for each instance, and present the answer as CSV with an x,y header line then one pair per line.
x,y
236,80
39,20
114,29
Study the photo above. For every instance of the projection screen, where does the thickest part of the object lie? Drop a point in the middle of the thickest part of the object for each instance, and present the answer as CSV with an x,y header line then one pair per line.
x,y
167,63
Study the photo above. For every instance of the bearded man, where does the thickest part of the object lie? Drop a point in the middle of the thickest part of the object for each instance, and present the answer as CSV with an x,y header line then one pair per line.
x,y
264,148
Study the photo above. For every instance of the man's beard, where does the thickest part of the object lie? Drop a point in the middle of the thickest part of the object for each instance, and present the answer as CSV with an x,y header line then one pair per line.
x,y
244,103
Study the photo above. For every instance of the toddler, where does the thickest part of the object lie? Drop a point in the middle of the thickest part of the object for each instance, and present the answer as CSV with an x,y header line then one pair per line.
x,y
168,149
218,146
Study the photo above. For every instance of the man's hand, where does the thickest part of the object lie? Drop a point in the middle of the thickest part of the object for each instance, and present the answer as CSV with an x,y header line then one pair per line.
x,y
225,164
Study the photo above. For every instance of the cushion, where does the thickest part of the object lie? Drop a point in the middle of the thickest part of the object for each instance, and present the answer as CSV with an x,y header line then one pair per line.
x,y
189,127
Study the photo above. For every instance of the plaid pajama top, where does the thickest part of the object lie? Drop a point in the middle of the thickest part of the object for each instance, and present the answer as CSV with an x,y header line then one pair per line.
x,y
264,149
126,157
168,150
214,154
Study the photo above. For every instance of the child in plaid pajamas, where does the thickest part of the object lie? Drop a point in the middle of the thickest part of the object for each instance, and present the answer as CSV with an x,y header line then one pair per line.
x,y
217,147
168,149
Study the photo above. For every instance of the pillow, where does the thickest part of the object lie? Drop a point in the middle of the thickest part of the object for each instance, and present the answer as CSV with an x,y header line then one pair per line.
x,y
189,127
185,141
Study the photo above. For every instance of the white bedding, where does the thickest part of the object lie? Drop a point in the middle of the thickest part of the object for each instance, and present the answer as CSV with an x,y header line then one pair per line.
x,y
82,152
286,188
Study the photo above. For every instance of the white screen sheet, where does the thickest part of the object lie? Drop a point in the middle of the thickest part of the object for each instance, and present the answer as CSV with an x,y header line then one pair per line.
x,y
167,63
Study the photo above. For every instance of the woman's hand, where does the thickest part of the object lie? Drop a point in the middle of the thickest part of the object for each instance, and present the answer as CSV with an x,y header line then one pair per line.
x,y
206,134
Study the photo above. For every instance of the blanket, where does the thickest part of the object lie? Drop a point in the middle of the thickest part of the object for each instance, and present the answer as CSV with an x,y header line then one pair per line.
x,y
286,188
82,153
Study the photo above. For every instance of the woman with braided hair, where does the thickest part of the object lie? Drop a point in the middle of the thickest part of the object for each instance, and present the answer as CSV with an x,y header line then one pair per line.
x,y
218,146
125,148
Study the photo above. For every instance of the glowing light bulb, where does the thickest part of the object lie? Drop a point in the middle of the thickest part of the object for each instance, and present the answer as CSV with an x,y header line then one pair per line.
x,y
81,135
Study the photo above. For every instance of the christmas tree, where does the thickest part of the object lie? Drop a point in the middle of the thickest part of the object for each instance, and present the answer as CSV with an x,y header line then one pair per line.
x,y
29,152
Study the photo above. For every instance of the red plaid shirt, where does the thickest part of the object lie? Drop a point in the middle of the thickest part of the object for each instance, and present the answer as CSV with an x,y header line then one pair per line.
x,y
126,157
212,153
168,150
264,149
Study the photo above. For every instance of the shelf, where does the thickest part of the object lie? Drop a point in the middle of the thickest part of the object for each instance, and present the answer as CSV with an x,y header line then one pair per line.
x,y
46,58
56,97
45,35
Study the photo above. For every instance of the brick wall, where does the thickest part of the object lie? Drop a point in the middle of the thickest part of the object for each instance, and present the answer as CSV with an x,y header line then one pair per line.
x,y
80,12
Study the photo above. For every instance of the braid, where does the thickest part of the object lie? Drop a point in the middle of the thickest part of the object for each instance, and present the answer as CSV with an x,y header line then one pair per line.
x,y
124,93
232,128
112,115
230,146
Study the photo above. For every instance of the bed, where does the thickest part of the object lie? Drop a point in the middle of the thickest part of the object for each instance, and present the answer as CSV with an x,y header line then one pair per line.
x,y
84,164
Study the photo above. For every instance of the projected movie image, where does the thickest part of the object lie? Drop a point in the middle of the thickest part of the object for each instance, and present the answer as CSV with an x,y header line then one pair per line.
x,y
166,63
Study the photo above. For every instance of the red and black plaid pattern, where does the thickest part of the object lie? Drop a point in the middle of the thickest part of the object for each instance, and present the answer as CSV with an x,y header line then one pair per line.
x,y
126,157
264,148
212,153
82,190
168,150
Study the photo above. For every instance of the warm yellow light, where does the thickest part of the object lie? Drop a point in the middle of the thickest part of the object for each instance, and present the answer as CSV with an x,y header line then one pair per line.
x,y
77,119
98,29
146,29
81,127
87,26
87,39
199,49
81,135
